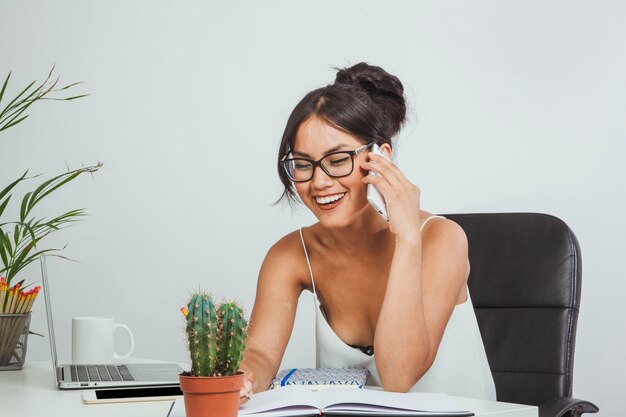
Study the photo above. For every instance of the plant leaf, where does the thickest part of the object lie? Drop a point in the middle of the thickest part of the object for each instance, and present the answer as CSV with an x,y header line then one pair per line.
x,y
6,247
18,262
19,266
64,99
8,107
11,115
3,252
16,234
20,108
31,230
24,207
70,86
4,86
13,123
62,180
50,186
3,205
13,184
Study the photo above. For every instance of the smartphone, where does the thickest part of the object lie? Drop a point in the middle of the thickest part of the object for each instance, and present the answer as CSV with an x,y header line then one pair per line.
x,y
373,195
117,395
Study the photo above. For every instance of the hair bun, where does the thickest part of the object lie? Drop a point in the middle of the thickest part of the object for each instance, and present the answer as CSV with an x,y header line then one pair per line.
x,y
385,90
371,78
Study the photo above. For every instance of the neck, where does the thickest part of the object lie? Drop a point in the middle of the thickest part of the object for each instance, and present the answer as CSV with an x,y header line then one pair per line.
x,y
368,232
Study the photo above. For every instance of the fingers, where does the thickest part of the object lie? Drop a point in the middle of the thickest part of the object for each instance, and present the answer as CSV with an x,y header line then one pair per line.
x,y
246,392
384,167
381,183
390,180
388,175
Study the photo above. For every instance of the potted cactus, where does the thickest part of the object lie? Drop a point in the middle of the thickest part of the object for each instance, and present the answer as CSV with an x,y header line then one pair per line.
x,y
216,339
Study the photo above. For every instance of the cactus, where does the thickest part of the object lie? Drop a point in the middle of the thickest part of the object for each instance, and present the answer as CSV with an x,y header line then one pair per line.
x,y
231,334
216,337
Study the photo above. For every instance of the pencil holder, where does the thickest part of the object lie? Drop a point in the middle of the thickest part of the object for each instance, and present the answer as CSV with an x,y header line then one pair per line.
x,y
14,330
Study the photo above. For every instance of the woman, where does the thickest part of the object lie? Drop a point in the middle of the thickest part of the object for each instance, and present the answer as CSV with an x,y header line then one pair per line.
x,y
392,296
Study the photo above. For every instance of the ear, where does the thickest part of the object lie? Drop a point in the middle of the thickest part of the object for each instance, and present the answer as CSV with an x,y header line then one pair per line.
x,y
386,148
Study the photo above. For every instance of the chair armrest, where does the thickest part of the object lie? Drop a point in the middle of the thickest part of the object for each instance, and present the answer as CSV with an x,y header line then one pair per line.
x,y
566,407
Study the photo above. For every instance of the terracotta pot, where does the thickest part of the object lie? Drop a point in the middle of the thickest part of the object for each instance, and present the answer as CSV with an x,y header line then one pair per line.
x,y
211,396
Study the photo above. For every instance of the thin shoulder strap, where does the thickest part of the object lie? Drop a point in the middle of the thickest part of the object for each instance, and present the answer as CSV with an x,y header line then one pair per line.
x,y
308,262
426,221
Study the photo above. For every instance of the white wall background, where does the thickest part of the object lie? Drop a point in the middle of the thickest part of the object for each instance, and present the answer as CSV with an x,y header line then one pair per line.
x,y
515,106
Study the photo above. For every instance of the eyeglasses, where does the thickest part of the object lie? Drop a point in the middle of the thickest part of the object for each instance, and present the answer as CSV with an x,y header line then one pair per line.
x,y
336,164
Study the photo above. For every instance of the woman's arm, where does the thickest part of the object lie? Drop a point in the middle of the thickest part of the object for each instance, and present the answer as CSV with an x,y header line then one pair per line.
x,y
424,283
273,314
426,277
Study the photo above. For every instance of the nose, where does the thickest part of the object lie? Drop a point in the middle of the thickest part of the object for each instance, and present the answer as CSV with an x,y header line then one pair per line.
x,y
320,179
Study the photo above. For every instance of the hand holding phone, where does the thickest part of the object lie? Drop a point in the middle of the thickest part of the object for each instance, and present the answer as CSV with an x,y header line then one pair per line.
x,y
374,196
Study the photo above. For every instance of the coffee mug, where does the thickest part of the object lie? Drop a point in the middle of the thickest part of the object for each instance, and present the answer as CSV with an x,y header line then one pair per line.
x,y
93,340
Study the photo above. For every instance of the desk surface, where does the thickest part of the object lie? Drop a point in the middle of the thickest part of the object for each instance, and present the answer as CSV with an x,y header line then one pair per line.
x,y
32,392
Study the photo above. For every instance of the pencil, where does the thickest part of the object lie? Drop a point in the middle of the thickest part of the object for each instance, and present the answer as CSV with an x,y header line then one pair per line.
x,y
9,300
27,303
3,293
18,302
22,302
14,294
29,307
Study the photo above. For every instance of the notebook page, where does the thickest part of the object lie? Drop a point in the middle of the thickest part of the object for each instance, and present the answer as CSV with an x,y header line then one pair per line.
x,y
376,400
285,401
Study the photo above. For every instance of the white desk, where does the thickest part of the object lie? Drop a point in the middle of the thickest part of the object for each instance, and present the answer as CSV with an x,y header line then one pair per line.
x,y
32,392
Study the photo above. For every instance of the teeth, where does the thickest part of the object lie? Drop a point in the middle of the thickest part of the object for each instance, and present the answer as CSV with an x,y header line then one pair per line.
x,y
329,199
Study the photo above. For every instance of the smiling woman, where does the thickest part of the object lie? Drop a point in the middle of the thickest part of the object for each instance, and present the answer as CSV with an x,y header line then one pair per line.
x,y
391,295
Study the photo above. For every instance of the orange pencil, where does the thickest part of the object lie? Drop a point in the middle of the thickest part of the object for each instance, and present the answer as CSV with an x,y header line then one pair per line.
x,y
16,302
3,293
9,301
25,297
29,307
17,298
19,302
13,298
31,295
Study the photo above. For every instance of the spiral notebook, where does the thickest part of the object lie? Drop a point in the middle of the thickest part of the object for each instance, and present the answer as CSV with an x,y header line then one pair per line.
x,y
320,378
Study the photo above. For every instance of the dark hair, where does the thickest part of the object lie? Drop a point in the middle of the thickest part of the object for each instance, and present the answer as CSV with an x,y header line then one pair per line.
x,y
365,101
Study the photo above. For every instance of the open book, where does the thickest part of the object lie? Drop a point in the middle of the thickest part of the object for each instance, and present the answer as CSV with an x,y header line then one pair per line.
x,y
302,401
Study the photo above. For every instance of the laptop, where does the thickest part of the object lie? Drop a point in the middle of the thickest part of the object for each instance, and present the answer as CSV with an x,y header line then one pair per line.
x,y
108,374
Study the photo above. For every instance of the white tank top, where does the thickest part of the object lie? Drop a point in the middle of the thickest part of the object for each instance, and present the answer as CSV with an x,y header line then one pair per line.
x,y
460,367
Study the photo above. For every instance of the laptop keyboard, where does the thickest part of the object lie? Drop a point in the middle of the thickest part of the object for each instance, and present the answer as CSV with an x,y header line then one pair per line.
x,y
100,373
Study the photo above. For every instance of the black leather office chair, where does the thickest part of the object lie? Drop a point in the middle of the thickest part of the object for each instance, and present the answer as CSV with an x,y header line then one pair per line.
x,y
525,284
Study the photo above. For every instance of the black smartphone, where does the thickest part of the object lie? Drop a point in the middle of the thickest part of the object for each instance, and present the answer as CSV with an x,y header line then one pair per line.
x,y
131,394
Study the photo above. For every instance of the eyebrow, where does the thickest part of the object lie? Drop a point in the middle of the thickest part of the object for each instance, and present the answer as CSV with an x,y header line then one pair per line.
x,y
331,150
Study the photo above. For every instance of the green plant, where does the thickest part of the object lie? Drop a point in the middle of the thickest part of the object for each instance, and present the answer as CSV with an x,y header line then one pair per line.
x,y
19,238
215,336
18,244
12,112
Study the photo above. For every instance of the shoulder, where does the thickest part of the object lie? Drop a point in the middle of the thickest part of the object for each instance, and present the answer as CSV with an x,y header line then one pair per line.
x,y
441,230
287,248
444,243
285,260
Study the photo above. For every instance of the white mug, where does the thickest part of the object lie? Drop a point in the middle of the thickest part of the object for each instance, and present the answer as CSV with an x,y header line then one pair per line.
x,y
92,340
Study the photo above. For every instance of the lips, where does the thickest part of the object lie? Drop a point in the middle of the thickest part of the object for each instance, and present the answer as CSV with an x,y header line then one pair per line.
x,y
329,202
329,198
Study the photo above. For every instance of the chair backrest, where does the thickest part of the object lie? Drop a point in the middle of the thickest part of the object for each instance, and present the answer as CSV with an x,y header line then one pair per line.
x,y
525,285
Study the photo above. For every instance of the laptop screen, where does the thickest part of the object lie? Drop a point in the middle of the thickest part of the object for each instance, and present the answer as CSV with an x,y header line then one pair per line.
x,y
46,293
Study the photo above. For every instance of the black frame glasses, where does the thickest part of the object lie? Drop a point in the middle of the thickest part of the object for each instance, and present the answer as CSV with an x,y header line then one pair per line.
x,y
288,164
